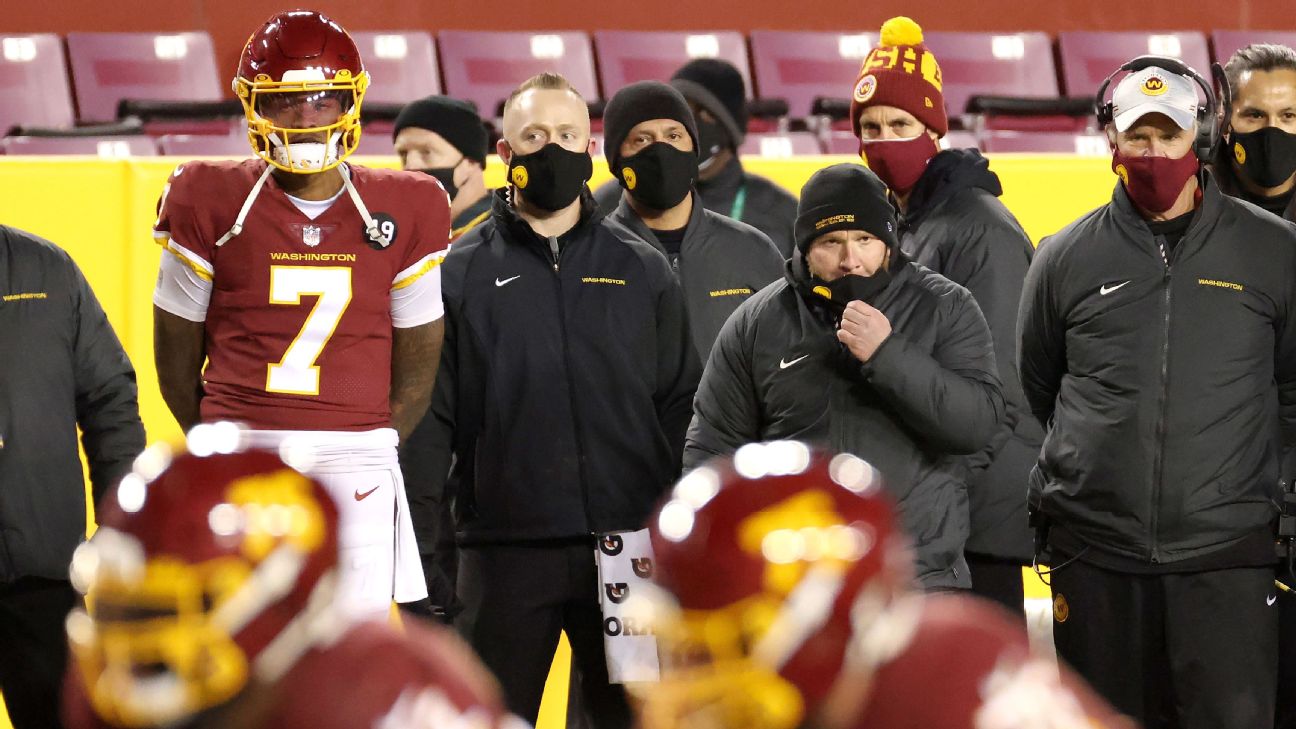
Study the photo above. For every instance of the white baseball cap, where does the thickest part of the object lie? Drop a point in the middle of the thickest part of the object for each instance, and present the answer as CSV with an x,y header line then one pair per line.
x,y
1154,90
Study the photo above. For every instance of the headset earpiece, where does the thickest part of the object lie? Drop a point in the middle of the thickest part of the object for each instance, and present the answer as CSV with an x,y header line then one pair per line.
x,y
1208,120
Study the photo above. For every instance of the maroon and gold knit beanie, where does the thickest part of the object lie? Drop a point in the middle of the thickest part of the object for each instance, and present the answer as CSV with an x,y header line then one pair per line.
x,y
901,72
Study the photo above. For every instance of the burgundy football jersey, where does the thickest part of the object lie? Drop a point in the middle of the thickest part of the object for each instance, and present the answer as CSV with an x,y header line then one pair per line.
x,y
299,328
967,665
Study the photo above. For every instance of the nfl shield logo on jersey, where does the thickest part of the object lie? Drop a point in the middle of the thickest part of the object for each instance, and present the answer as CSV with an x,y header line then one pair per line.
x,y
311,235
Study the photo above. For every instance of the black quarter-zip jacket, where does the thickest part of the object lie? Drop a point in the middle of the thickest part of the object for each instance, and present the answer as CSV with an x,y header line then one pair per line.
x,y
566,382
720,264
1165,377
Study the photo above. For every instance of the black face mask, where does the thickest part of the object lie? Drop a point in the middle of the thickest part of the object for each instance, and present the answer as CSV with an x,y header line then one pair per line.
x,y
851,287
659,175
552,177
712,140
1266,156
445,176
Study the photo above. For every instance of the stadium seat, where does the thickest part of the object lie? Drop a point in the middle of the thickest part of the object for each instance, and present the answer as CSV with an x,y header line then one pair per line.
x,y
799,67
402,65
1089,145
485,66
376,145
1227,42
626,56
109,67
998,64
204,145
1088,57
110,147
787,144
33,79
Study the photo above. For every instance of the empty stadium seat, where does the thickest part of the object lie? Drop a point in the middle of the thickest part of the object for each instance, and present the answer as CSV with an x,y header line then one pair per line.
x,y
999,64
33,81
802,66
485,66
204,145
109,67
1088,57
402,65
1227,42
626,56
137,146
787,144
1090,145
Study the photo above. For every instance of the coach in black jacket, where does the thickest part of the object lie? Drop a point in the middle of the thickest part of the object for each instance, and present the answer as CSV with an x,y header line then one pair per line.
x,y
651,143
1157,345
906,380
563,395
61,368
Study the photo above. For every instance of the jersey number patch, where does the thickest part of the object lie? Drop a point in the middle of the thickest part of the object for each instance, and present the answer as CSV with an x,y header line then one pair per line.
x,y
297,373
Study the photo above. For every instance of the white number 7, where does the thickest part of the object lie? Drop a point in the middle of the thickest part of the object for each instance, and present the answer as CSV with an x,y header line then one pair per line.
x,y
297,373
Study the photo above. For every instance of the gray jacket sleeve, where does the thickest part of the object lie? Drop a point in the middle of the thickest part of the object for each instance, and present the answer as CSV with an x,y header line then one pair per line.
x,y
951,397
1041,337
726,414
107,399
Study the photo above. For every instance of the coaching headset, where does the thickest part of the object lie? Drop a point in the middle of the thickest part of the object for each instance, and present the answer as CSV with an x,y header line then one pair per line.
x,y
1209,118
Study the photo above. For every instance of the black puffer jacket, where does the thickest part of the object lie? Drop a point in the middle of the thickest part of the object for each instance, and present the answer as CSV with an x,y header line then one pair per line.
x,y
928,394
1166,378
956,226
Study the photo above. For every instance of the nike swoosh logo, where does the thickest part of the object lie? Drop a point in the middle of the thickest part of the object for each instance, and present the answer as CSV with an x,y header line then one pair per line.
x,y
361,497
784,364
1108,289
506,281
1271,600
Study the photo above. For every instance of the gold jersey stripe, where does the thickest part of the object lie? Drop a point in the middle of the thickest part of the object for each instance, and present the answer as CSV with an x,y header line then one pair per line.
x,y
432,262
202,274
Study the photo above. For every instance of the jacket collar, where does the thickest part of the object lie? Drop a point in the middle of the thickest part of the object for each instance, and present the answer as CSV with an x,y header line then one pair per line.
x,y
625,215
1128,218
519,231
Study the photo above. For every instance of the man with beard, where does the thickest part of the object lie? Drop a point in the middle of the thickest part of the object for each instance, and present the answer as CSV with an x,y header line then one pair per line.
x,y
715,92
1257,163
651,143
953,223
861,349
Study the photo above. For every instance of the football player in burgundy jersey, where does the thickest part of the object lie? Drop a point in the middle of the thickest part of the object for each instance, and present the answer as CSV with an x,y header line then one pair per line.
x,y
784,599
208,585
310,289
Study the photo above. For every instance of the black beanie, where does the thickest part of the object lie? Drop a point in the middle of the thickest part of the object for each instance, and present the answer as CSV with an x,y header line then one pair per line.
x,y
456,121
640,102
844,197
718,87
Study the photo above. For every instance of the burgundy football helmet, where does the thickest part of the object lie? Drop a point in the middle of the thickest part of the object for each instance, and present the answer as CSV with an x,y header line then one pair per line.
x,y
208,565
302,59
774,566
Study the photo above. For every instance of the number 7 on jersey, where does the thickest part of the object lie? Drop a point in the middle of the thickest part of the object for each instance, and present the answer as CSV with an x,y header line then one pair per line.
x,y
297,373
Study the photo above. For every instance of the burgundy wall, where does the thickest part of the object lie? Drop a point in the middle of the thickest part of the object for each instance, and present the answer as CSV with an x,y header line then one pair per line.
x,y
231,21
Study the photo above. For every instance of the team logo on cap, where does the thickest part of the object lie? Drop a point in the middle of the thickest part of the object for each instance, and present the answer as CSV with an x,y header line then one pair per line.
x,y
1122,173
520,177
1154,85
865,89
1239,154
628,175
